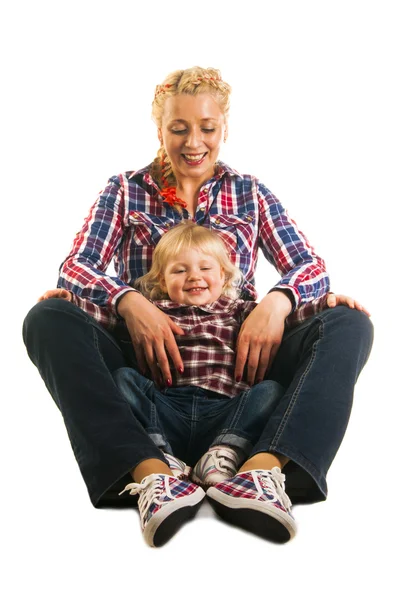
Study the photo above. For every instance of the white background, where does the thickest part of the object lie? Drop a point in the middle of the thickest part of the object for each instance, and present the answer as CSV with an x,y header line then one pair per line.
x,y
319,115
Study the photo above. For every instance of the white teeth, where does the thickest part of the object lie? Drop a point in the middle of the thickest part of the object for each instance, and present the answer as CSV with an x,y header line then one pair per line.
x,y
194,158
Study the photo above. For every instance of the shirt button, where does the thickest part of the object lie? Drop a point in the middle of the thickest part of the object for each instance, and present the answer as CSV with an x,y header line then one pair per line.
x,y
202,208
206,190
217,221
249,218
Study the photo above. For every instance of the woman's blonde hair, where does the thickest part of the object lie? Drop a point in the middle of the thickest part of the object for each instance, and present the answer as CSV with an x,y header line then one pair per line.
x,y
182,237
193,81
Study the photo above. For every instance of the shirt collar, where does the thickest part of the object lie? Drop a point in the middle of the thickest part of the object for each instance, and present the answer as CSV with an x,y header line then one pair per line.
x,y
221,305
223,170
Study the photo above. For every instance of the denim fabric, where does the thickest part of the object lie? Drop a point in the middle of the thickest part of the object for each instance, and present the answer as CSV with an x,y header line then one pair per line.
x,y
186,421
318,364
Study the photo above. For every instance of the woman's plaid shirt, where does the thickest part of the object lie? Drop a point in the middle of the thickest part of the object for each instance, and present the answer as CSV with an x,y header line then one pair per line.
x,y
129,217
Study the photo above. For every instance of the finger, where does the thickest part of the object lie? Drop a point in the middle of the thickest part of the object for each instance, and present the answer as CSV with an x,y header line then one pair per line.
x,y
264,363
350,302
140,357
331,301
272,355
241,357
173,352
176,328
151,359
252,363
163,364
362,308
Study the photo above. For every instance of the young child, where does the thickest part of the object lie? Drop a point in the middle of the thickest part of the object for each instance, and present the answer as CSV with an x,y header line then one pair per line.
x,y
202,416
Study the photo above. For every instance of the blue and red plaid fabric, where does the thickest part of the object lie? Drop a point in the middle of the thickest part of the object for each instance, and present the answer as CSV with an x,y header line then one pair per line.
x,y
129,217
172,488
208,348
252,485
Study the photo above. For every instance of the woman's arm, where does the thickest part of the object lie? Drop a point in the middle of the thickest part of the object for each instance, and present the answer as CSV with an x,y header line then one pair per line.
x,y
303,278
303,272
83,272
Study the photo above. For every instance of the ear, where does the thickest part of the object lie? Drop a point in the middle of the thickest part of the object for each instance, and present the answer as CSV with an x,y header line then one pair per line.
x,y
163,287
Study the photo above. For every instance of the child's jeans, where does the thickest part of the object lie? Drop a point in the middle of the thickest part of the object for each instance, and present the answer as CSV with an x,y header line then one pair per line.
x,y
186,421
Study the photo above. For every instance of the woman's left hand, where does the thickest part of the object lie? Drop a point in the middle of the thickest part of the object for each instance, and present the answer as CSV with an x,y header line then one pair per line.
x,y
56,293
260,337
339,299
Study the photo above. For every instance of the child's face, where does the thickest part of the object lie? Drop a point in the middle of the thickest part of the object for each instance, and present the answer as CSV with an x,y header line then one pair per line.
x,y
193,278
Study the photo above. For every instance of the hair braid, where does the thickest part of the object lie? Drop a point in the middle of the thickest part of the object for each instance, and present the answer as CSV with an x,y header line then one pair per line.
x,y
194,81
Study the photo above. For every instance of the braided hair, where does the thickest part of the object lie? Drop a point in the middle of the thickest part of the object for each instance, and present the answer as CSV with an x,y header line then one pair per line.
x,y
193,81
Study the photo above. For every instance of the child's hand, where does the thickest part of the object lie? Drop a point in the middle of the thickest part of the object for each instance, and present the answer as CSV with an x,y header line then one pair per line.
x,y
338,299
59,293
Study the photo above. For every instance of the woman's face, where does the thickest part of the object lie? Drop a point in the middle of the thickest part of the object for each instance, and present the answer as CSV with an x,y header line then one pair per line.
x,y
193,128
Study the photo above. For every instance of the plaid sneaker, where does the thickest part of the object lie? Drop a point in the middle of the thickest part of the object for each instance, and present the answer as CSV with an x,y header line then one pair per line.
x,y
179,468
165,503
256,501
216,465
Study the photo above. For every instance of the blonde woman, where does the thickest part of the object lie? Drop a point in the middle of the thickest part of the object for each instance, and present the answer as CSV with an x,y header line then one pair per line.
x,y
318,361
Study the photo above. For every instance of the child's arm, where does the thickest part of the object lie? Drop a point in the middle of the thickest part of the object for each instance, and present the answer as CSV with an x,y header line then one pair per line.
x,y
57,293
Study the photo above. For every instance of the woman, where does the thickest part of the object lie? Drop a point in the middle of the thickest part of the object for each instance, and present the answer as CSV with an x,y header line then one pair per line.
x,y
318,361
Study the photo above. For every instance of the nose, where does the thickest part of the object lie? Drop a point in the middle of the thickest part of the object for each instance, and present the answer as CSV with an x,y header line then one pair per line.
x,y
194,138
194,274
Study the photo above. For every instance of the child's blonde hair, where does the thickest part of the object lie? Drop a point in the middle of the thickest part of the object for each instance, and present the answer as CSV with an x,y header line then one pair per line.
x,y
181,237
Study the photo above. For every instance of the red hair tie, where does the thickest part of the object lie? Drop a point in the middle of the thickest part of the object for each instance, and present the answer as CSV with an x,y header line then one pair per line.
x,y
170,196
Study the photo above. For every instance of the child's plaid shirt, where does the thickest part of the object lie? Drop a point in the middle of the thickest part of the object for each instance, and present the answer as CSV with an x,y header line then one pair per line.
x,y
129,217
208,348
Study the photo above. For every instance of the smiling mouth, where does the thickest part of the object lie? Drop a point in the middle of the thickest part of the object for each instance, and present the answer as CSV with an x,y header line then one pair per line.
x,y
196,289
194,159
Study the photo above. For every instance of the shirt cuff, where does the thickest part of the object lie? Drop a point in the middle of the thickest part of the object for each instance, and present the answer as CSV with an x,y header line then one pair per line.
x,y
291,294
117,297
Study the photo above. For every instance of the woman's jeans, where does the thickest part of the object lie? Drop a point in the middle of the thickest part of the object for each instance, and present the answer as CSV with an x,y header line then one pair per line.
x,y
318,364
186,421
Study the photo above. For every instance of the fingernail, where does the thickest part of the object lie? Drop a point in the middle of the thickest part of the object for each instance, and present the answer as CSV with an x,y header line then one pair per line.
x,y
239,378
181,369
169,382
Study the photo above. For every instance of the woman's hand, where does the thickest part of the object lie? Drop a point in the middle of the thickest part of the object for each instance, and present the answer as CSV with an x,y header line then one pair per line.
x,y
58,293
152,333
260,337
338,299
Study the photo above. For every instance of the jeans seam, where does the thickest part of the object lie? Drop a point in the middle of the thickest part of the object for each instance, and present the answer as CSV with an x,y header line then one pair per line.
x,y
239,410
297,391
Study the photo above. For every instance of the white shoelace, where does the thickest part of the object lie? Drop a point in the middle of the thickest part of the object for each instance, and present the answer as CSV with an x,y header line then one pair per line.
x,y
150,489
274,483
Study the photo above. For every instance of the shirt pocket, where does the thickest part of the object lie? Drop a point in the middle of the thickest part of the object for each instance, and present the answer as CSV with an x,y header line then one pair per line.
x,y
237,231
148,229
